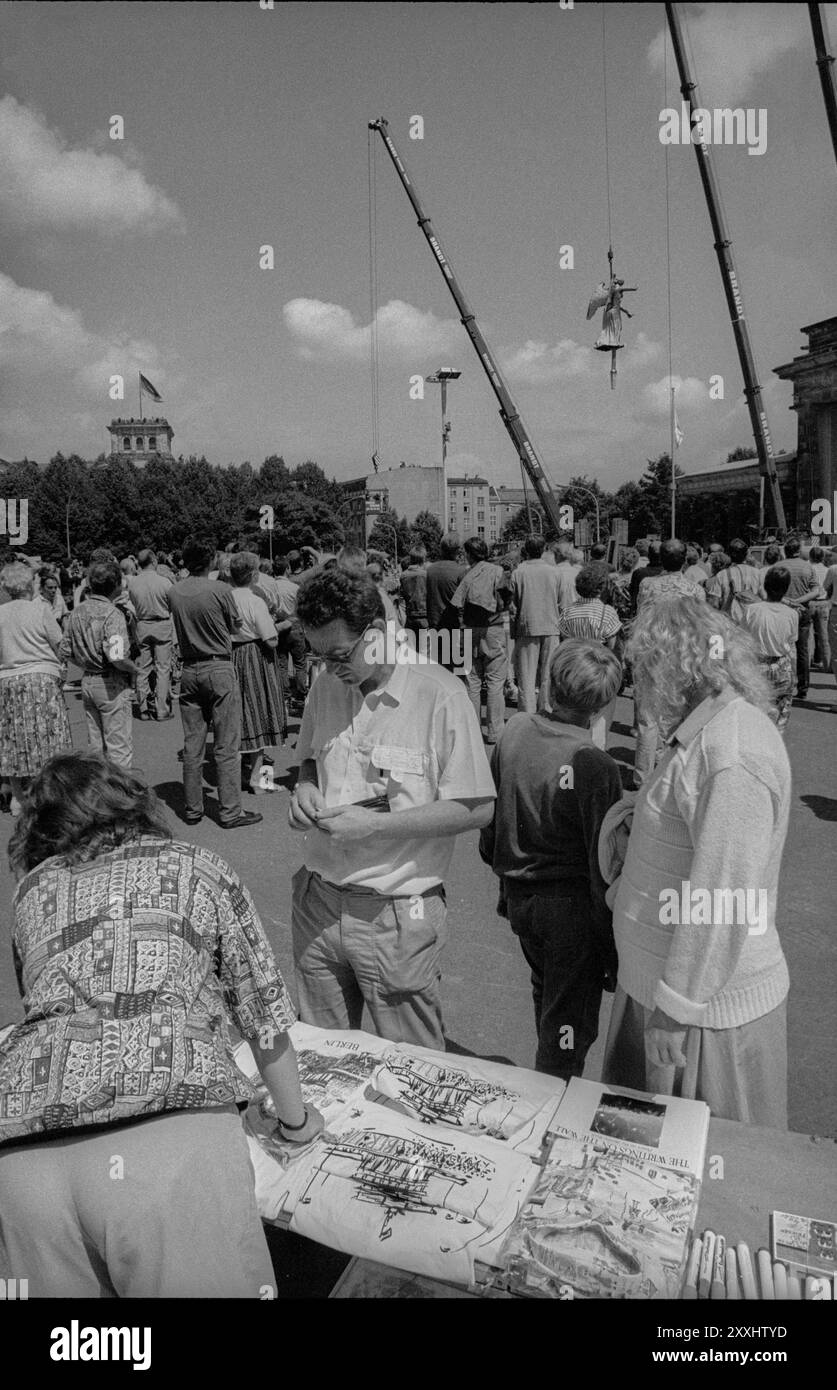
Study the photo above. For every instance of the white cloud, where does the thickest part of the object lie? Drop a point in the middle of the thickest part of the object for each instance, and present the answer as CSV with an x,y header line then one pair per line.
x,y
642,351
40,338
733,45
537,364
324,331
45,184
688,391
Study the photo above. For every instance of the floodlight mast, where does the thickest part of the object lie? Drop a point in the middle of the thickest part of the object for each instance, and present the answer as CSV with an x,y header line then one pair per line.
x,y
732,288
509,413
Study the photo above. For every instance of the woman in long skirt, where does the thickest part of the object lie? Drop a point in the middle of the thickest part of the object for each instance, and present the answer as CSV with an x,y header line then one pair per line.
x,y
263,719
33,718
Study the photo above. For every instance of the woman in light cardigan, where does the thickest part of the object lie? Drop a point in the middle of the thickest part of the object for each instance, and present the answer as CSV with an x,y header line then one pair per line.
x,y
700,1008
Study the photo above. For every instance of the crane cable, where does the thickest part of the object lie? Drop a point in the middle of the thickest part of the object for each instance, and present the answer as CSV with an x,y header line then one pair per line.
x,y
374,363
671,387
607,145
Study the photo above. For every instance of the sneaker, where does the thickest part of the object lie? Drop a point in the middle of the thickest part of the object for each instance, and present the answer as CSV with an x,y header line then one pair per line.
x,y
193,820
246,818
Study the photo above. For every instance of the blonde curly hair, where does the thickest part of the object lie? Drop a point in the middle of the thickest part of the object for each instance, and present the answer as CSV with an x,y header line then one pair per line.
x,y
683,652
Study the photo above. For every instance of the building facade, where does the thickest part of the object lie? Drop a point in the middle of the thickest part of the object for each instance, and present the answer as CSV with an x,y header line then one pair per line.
x,y
140,440
407,490
814,377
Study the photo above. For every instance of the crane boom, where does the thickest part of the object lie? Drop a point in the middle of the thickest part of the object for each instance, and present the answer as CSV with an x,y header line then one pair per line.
x,y
825,64
732,289
509,413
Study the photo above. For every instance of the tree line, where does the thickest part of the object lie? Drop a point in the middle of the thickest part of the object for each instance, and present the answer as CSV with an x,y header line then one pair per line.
x,y
77,504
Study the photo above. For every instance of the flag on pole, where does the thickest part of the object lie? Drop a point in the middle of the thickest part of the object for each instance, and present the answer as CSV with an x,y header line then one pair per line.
x,y
145,385
678,433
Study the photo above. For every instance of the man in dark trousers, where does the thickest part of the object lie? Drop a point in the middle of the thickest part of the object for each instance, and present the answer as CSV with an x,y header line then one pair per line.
x,y
802,593
443,577
649,571
205,616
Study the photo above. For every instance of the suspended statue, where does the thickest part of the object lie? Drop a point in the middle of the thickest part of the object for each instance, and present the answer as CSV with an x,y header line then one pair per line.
x,y
608,296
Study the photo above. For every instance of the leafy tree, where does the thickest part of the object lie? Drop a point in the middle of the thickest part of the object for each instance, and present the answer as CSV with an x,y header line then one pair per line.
x,y
744,451
381,537
427,528
517,527
273,475
310,479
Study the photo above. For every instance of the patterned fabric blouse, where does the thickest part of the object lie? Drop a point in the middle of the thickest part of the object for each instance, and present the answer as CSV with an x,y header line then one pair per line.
x,y
131,969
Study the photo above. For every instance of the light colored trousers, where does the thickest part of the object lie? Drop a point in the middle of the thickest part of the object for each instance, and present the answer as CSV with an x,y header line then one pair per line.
x,y
163,1208
488,666
155,644
353,946
107,710
533,656
741,1073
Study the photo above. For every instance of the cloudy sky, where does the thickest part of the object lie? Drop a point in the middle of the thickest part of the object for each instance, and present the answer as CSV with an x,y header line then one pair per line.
x,y
245,127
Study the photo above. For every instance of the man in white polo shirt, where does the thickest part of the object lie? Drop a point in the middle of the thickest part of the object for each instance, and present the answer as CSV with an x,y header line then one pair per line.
x,y
369,916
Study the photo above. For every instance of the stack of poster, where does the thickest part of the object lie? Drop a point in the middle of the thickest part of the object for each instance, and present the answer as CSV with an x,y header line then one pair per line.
x,y
426,1158
613,1208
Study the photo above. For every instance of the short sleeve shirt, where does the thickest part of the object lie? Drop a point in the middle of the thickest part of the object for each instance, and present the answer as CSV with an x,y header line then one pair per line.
x,y
592,619
96,635
256,621
205,616
415,740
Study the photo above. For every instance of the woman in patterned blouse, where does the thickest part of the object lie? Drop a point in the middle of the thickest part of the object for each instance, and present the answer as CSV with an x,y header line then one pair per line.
x,y
124,1167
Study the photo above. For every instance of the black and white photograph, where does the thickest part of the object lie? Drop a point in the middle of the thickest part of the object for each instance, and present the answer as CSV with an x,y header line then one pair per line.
x,y
631,1118
428,414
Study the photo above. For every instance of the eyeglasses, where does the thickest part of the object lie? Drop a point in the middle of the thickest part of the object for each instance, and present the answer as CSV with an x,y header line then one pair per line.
x,y
345,657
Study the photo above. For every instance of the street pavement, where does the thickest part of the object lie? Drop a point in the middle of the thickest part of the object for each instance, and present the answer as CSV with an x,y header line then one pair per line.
x,y
487,1000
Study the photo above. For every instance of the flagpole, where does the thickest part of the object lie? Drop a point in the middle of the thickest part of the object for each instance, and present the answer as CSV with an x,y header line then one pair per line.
x,y
673,480
139,374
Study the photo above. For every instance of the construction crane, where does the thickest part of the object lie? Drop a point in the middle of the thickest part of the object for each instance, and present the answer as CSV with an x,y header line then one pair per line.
x,y
509,412
732,289
825,64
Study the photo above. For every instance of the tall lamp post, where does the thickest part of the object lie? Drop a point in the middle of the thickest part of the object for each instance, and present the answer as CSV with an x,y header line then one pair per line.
x,y
441,378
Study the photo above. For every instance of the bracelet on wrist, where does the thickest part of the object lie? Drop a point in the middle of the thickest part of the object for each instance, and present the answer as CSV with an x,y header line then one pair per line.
x,y
293,1129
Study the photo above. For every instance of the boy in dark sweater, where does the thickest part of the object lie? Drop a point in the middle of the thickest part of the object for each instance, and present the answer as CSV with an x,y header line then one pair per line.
x,y
553,791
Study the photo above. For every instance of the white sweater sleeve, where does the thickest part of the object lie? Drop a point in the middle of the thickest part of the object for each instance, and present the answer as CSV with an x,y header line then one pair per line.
x,y
732,827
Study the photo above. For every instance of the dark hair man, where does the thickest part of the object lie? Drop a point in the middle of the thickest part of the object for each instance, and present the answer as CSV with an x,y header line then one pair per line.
x,y
148,592
442,578
650,571
803,591
734,588
820,610
369,918
97,640
482,598
414,591
539,591
205,616
774,625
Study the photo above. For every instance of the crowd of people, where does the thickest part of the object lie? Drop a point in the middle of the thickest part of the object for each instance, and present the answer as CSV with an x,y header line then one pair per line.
x,y
139,955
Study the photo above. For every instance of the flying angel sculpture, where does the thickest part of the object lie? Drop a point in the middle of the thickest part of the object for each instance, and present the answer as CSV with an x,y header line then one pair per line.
x,y
608,296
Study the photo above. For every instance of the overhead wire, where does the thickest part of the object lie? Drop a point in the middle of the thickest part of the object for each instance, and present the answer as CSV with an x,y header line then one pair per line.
x,y
607,141
671,387
374,356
